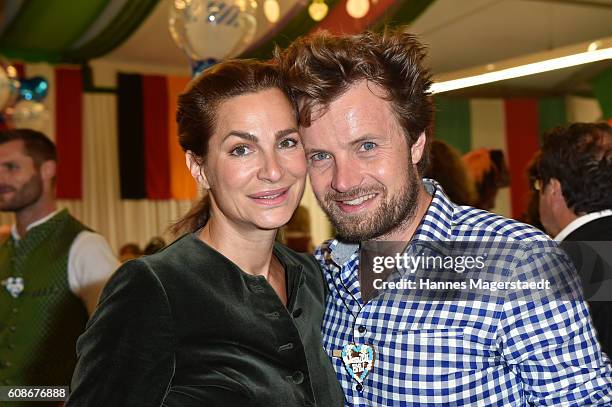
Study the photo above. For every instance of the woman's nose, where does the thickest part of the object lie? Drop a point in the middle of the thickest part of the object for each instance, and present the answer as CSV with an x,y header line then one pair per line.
x,y
271,169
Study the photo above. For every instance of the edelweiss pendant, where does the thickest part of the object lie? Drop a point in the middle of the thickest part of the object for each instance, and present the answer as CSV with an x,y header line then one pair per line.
x,y
14,285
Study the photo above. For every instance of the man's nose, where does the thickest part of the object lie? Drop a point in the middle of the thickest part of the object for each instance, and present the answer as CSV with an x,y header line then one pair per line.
x,y
347,175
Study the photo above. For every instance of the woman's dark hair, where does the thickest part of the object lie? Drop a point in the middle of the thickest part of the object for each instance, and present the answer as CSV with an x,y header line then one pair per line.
x,y
197,114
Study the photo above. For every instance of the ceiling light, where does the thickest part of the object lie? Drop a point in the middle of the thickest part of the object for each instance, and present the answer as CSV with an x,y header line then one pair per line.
x,y
524,66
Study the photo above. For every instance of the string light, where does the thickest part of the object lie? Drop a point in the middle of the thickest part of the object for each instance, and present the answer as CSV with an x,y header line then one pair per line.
x,y
318,10
271,10
357,8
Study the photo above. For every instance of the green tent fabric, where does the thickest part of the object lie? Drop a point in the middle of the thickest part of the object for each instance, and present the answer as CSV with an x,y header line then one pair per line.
x,y
128,20
602,88
452,123
46,30
553,113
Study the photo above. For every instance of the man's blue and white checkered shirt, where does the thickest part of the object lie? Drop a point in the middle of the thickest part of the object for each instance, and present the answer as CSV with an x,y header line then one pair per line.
x,y
467,353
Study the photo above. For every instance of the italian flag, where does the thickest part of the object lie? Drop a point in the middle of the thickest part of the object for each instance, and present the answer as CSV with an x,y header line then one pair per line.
x,y
514,126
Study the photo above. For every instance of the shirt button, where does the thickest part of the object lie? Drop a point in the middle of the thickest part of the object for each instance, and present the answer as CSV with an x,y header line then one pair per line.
x,y
361,329
359,388
297,313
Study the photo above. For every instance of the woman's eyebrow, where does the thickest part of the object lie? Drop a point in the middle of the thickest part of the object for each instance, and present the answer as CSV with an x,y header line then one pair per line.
x,y
285,132
241,134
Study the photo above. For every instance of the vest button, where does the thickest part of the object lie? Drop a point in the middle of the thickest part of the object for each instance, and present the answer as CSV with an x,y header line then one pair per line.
x,y
15,310
359,388
11,346
361,329
287,346
297,377
297,313
13,328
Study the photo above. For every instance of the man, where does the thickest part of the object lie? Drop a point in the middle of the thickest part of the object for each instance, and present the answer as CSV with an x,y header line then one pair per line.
x,y
52,268
365,111
575,181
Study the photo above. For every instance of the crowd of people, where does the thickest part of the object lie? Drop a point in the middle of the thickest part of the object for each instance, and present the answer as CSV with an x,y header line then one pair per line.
x,y
230,315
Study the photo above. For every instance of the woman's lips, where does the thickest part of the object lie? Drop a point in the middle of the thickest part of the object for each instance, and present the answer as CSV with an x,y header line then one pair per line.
x,y
271,198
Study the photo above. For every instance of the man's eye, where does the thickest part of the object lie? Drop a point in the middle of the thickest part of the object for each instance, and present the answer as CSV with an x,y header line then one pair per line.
x,y
288,143
319,156
368,145
240,151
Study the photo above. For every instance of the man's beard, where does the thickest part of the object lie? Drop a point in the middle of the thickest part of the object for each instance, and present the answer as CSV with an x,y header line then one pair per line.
x,y
392,214
25,196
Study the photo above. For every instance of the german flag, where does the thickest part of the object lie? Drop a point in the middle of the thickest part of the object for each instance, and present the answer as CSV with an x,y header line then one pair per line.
x,y
151,162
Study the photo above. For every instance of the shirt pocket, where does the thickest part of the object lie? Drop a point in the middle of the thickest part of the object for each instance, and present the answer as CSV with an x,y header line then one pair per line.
x,y
441,350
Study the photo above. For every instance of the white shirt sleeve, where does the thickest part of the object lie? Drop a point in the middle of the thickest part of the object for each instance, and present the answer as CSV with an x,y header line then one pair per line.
x,y
91,262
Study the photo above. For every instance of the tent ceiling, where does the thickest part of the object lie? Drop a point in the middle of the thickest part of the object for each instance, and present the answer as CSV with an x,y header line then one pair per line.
x,y
459,33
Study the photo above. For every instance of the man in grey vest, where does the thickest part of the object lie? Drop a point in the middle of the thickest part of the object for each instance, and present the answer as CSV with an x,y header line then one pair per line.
x,y
52,268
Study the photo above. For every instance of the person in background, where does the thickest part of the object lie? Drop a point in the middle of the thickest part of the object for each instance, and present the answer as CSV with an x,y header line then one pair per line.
x,y
531,216
5,233
296,233
155,244
52,267
224,316
129,251
447,167
574,179
489,171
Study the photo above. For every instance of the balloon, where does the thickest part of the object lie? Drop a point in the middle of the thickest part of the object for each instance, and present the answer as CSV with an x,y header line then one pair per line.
x,y
198,66
35,89
29,114
212,29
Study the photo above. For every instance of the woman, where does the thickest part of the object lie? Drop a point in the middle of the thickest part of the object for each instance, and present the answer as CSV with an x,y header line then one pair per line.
x,y
224,316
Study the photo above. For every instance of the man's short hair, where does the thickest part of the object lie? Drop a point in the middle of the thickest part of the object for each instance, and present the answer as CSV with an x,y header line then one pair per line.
x,y
321,67
36,144
579,156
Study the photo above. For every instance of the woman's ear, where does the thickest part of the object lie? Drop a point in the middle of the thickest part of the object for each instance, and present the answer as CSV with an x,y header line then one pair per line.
x,y
196,170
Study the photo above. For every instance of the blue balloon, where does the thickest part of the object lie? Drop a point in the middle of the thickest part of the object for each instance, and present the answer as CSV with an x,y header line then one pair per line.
x,y
198,66
34,89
